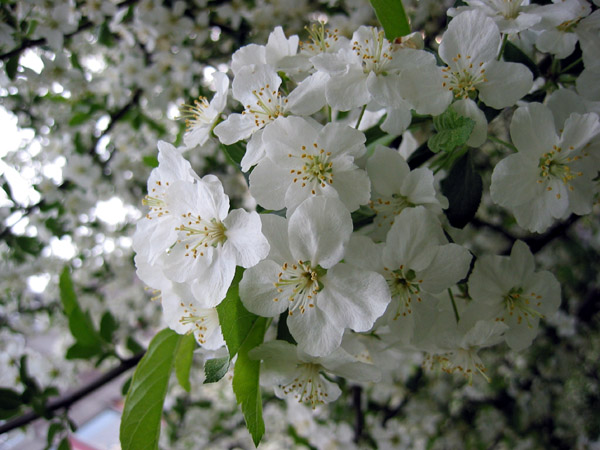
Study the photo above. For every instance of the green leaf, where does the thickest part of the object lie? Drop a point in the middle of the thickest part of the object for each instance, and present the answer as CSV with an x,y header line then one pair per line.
x,y
215,369
10,403
133,346
236,321
183,360
392,17
81,351
80,324
12,65
105,37
453,131
64,444
246,374
140,422
150,161
108,326
54,428
79,117
463,188
234,153
125,387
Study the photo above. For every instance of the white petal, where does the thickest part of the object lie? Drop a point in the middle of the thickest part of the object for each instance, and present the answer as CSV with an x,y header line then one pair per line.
x,y
248,245
470,34
257,291
532,130
506,83
315,333
354,298
319,230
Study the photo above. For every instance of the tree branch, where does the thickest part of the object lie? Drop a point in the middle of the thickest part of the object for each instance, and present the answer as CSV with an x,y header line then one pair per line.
x,y
67,400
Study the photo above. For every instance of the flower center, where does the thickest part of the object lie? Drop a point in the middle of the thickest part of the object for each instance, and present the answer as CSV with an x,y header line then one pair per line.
x,y
465,361
197,114
202,234
316,168
299,283
307,387
268,107
403,286
374,53
553,165
508,8
202,321
388,206
463,77
523,306
155,201
320,39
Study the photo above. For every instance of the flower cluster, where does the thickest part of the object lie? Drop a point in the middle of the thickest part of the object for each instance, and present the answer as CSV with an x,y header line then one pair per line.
x,y
336,281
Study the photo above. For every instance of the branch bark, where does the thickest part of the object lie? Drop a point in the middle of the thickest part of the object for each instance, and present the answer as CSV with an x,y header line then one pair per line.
x,y
67,400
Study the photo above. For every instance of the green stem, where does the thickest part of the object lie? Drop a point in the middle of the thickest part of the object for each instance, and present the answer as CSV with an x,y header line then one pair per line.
x,y
573,64
329,112
500,141
504,41
456,316
362,113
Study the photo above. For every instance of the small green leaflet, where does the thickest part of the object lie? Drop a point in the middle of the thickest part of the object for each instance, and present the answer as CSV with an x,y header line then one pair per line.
x,y
183,360
452,131
140,422
215,369
242,331
392,17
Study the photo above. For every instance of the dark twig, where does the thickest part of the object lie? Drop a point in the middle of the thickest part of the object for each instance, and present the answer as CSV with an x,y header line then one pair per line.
x,y
359,422
65,401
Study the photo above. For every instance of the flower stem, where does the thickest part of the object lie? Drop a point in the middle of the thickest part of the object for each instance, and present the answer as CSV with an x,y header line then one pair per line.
x,y
362,113
504,41
456,316
500,141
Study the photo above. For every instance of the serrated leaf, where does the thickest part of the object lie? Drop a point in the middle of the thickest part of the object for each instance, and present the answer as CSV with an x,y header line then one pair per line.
x,y
183,360
140,422
246,374
463,188
108,326
12,65
392,17
453,131
236,321
215,369
234,153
